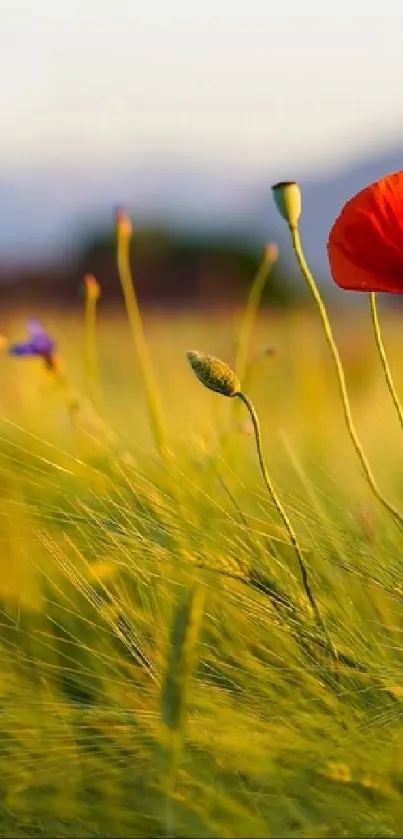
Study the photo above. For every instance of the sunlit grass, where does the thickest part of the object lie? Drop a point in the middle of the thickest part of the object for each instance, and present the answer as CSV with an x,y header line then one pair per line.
x,y
100,550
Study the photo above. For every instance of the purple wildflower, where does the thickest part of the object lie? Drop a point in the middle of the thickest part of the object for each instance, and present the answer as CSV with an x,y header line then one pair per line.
x,y
39,343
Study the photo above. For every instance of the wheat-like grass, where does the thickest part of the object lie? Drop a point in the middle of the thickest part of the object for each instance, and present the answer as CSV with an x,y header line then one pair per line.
x,y
176,685
217,376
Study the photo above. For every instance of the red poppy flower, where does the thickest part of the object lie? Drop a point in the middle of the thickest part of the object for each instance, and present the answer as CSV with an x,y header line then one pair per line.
x,y
365,246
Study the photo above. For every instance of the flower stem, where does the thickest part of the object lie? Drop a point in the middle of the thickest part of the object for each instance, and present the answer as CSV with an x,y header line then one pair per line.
x,y
383,356
296,241
249,315
91,355
287,523
139,340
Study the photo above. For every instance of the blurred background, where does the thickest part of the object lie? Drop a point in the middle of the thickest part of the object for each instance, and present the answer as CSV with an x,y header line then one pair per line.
x,y
186,113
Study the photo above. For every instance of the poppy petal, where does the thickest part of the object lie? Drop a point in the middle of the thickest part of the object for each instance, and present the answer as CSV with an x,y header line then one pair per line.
x,y
365,246
351,277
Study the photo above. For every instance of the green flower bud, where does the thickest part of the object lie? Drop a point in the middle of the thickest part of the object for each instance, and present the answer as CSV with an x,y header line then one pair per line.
x,y
287,196
214,373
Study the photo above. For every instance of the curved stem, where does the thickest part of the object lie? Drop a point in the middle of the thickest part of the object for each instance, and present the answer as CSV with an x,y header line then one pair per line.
x,y
283,515
296,241
249,316
139,340
383,356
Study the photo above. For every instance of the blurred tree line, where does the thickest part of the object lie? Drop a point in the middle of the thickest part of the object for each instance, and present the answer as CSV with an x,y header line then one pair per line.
x,y
171,270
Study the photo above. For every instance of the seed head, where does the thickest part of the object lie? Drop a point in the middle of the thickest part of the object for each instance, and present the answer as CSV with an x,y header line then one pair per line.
x,y
287,196
271,253
214,373
92,287
123,224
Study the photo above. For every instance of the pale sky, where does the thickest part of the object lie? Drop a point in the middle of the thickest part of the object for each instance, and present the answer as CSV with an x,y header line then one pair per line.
x,y
245,83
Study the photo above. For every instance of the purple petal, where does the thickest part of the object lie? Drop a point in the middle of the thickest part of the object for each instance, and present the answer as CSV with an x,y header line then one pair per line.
x,y
35,329
23,348
43,345
40,340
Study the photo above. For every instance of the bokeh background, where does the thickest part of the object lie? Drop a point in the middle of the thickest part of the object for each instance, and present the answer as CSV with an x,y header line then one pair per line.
x,y
186,113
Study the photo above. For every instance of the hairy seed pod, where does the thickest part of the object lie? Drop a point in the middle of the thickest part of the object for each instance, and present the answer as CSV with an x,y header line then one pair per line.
x,y
214,373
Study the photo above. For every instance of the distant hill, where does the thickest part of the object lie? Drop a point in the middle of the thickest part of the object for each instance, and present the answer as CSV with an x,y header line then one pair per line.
x,y
44,215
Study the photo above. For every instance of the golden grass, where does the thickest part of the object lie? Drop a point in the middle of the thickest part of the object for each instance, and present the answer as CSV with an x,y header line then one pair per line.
x,y
104,551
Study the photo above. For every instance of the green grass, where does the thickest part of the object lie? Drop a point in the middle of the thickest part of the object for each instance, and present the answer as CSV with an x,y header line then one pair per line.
x,y
123,712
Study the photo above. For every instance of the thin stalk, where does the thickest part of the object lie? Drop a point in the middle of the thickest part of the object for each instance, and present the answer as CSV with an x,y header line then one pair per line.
x,y
251,310
382,354
175,689
92,293
287,523
139,340
368,474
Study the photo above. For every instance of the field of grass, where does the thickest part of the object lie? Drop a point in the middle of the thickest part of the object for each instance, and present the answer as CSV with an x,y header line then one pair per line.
x,y
162,670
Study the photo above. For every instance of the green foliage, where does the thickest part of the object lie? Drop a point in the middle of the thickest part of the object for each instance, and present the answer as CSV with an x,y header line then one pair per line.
x,y
103,645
